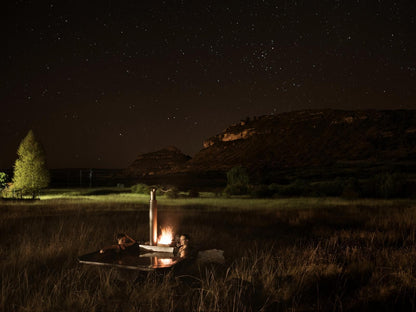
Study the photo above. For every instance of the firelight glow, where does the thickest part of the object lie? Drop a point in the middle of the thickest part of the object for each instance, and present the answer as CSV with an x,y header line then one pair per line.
x,y
165,261
166,237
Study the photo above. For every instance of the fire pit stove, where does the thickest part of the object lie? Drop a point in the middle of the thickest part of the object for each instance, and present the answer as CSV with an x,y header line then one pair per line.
x,y
153,237
148,257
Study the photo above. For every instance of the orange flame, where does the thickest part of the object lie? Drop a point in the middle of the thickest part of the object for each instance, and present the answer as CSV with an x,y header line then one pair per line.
x,y
166,237
165,261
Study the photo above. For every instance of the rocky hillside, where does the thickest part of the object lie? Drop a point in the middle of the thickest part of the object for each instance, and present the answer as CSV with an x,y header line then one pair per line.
x,y
288,141
161,162
311,138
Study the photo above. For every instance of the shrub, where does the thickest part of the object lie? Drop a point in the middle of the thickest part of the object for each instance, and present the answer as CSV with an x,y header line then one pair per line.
x,y
140,189
237,181
351,189
3,180
237,176
261,191
193,193
392,185
10,191
297,188
330,188
172,193
235,189
159,190
386,185
274,187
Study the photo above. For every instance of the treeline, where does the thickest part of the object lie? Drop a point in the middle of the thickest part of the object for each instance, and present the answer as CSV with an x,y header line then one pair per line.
x,y
382,185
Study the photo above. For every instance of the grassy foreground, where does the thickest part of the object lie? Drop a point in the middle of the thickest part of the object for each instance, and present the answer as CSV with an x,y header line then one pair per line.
x,y
301,254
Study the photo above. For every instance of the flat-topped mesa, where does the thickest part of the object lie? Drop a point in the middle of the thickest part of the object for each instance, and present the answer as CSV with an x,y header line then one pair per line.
x,y
158,162
311,138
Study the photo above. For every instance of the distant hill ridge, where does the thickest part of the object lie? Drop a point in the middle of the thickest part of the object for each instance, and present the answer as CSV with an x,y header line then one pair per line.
x,y
296,139
164,161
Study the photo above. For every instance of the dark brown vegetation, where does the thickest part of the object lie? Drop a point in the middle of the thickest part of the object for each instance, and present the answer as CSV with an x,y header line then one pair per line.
x,y
335,258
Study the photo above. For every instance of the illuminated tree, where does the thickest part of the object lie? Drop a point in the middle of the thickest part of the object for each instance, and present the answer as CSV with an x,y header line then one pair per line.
x,y
3,179
30,172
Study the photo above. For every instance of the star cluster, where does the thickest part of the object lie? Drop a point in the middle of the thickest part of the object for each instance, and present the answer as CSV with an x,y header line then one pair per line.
x,y
101,82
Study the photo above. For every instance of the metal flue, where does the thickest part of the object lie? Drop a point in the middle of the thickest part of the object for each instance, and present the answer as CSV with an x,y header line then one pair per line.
x,y
153,218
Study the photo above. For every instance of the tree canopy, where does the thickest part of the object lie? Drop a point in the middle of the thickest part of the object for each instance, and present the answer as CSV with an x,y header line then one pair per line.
x,y
30,172
3,179
237,181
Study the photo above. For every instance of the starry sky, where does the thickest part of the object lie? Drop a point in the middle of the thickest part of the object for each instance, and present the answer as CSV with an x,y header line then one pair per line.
x,y
100,82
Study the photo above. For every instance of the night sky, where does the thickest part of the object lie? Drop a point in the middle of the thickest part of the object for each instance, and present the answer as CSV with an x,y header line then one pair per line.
x,y
101,82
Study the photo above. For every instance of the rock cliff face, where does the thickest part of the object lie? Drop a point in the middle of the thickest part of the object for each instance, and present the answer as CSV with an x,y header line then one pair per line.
x,y
226,137
311,138
291,140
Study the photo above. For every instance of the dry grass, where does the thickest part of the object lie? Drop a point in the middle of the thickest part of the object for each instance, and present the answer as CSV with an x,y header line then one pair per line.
x,y
322,256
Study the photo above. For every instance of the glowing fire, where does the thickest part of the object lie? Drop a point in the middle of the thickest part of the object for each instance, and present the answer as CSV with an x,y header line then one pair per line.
x,y
166,237
165,261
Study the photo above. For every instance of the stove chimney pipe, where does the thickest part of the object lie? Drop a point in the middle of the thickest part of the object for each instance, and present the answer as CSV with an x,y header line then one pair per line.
x,y
153,218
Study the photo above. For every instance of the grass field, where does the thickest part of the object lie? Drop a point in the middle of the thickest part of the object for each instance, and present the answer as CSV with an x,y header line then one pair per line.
x,y
298,254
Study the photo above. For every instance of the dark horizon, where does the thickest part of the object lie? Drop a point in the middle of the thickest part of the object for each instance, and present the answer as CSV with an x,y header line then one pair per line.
x,y
100,85
86,168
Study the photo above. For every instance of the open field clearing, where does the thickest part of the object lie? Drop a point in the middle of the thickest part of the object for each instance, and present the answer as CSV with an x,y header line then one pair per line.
x,y
299,254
